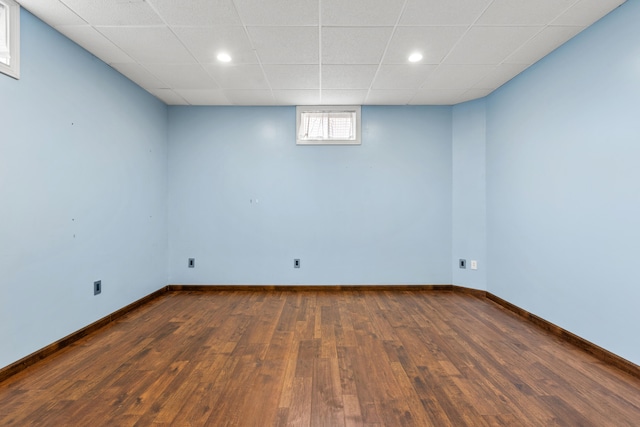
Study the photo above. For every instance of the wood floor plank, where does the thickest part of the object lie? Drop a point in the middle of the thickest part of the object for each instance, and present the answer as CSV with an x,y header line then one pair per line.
x,y
352,414
300,409
326,399
342,357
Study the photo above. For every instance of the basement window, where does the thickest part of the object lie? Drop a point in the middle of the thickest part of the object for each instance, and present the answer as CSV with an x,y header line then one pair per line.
x,y
10,38
328,125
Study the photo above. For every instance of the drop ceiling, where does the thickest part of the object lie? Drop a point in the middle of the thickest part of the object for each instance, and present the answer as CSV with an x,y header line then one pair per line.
x,y
319,52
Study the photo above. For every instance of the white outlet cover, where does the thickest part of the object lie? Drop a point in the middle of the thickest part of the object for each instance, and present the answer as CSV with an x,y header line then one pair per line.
x,y
474,264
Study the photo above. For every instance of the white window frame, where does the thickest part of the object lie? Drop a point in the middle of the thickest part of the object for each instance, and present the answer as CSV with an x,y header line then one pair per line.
x,y
11,24
302,140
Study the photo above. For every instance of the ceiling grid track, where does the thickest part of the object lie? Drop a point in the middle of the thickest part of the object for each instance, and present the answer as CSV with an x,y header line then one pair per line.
x,y
320,52
386,48
536,34
186,48
459,40
253,49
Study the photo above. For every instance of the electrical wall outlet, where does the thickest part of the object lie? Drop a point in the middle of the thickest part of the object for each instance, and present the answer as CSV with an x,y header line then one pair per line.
x,y
97,287
296,263
474,264
462,263
191,263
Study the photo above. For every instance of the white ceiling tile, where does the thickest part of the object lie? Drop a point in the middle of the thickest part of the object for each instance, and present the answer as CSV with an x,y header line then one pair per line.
x,y
285,45
249,97
442,12
389,97
354,45
168,96
148,44
293,76
523,12
432,42
472,94
586,12
542,44
296,97
343,97
437,96
203,97
169,47
500,75
402,76
489,45
140,75
197,12
114,12
206,42
360,13
348,76
53,12
90,39
278,13
182,76
448,76
240,76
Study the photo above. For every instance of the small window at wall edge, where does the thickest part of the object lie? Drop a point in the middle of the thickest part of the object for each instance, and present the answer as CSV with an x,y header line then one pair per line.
x,y
10,38
328,125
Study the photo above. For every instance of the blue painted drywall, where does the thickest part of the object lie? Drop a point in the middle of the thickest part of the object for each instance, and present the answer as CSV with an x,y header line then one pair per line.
x,y
469,240
244,200
82,192
563,185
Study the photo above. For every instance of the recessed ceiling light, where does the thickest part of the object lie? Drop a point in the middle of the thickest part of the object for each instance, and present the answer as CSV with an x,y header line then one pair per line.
x,y
224,57
415,57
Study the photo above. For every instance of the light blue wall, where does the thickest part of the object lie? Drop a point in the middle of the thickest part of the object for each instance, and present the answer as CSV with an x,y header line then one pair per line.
x,y
244,200
469,194
563,186
82,192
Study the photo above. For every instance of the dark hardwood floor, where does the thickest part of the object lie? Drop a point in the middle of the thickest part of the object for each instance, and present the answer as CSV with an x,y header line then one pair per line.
x,y
320,358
